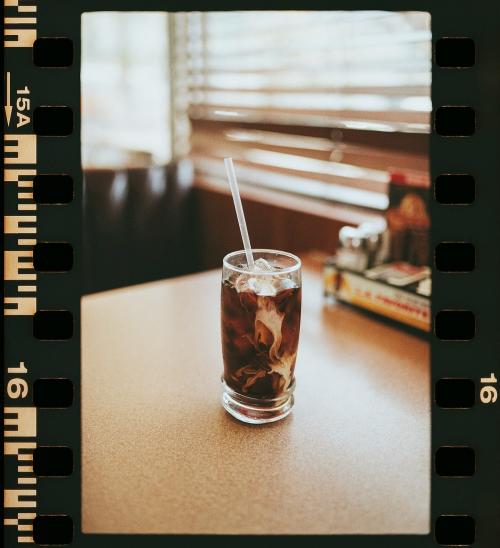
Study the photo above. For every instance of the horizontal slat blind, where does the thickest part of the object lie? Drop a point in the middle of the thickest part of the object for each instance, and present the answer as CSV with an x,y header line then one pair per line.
x,y
341,67
365,71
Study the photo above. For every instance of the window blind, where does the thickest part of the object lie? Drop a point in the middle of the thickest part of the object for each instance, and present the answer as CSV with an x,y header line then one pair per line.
x,y
309,101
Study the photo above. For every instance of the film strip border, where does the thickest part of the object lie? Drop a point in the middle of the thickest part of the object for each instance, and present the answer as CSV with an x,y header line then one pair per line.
x,y
460,397
455,392
20,285
37,387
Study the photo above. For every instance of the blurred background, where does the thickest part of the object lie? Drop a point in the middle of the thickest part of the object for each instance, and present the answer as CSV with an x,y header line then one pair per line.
x,y
322,112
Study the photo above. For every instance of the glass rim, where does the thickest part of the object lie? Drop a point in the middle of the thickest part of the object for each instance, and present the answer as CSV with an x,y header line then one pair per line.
x,y
287,270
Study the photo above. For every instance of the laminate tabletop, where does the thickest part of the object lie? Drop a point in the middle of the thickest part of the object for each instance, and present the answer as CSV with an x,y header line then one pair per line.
x,y
160,455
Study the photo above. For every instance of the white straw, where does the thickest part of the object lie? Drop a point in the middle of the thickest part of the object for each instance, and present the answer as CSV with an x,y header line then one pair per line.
x,y
233,184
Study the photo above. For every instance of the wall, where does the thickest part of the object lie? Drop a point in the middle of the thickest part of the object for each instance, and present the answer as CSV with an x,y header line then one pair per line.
x,y
269,225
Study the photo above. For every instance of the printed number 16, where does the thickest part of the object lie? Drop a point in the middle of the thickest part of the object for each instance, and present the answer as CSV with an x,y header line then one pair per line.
x,y
488,394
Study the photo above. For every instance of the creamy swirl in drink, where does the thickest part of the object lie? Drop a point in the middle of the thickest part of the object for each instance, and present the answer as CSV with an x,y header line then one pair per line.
x,y
260,330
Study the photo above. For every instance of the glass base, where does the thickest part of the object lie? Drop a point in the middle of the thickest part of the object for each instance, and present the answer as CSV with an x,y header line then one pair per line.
x,y
256,410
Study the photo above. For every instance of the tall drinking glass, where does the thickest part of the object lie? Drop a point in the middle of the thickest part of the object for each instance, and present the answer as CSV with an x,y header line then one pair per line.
x,y
260,321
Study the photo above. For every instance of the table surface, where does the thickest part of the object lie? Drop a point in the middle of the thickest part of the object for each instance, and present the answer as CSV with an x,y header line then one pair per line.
x,y
160,455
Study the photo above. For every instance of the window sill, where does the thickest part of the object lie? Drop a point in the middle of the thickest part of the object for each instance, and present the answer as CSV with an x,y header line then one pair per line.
x,y
303,204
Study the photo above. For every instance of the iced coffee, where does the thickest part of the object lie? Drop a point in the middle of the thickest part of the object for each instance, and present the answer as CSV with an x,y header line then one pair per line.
x,y
260,322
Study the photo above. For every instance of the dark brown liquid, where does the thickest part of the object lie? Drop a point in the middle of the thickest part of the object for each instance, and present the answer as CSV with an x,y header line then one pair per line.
x,y
260,335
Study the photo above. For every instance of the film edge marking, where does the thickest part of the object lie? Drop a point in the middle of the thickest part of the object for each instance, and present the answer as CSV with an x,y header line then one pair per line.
x,y
19,152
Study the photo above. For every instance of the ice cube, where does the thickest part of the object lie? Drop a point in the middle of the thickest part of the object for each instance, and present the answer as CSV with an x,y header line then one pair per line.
x,y
261,265
257,285
284,283
263,285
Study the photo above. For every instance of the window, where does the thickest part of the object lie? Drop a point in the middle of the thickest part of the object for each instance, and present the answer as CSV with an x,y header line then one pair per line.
x,y
318,103
125,89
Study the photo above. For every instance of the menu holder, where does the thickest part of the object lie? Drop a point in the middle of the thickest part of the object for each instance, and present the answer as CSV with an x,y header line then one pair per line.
x,y
409,304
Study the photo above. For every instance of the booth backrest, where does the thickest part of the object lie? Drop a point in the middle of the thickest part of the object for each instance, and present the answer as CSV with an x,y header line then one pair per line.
x,y
137,225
